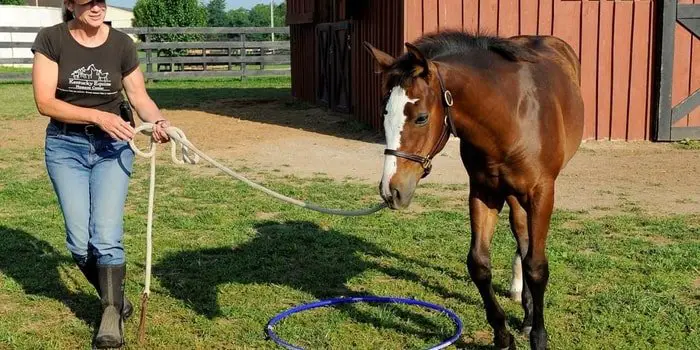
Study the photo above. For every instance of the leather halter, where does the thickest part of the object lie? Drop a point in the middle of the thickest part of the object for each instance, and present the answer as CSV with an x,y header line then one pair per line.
x,y
448,128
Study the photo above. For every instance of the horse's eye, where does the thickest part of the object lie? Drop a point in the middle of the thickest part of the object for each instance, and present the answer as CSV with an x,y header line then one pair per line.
x,y
422,118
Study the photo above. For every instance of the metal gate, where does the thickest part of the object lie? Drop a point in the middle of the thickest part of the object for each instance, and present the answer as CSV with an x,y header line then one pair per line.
x,y
333,65
668,115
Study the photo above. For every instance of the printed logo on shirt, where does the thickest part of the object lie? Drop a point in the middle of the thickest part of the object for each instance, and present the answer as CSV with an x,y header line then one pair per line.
x,y
90,80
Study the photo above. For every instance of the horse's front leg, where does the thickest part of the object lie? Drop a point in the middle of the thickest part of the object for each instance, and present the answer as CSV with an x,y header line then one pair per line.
x,y
539,208
484,207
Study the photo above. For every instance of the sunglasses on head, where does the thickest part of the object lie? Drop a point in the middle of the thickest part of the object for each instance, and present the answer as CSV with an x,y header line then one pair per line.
x,y
92,2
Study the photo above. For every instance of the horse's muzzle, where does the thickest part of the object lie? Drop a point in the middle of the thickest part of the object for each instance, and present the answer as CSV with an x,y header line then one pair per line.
x,y
396,198
385,196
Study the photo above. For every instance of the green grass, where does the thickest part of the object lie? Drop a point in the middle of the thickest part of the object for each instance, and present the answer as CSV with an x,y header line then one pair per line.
x,y
17,99
227,258
6,69
192,93
688,144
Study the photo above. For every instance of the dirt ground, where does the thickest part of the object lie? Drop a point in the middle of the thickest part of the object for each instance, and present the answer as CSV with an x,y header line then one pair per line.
x,y
306,141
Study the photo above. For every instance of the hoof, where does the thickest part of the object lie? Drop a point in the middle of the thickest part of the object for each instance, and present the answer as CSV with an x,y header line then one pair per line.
x,y
108,343
526,330
510,346
538,339
516,295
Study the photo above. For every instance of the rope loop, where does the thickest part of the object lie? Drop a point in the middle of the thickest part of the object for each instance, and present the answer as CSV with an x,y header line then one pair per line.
x,y
178,140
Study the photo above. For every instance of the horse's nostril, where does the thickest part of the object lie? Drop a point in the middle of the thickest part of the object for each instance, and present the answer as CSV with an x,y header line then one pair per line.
x,y
396,194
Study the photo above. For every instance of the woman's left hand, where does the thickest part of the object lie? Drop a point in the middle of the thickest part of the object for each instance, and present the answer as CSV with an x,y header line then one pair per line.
x,y
159,134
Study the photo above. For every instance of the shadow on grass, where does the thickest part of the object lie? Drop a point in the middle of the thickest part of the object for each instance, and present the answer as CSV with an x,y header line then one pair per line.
x,y
36,266
297,254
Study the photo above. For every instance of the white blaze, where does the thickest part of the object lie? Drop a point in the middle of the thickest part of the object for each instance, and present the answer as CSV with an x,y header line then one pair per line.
x,y
394,121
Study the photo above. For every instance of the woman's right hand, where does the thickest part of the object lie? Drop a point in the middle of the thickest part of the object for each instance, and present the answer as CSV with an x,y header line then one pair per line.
x,y
115,126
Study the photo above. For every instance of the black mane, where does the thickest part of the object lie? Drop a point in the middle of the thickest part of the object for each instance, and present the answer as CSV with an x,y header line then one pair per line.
x,y
454,42
449,43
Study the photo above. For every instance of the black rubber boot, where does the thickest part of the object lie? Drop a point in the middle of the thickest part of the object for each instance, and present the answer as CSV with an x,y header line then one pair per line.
x,y
111,332
89,270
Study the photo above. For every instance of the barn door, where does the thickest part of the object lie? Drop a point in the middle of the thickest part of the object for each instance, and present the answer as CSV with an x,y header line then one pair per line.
x,y
679,94
333,66
323,64
341,67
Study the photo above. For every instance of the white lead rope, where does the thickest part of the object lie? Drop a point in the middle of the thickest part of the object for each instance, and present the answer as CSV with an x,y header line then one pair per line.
x,y
178,138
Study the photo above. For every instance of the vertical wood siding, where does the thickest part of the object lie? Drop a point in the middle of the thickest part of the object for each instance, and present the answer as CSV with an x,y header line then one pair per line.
x,y
613,38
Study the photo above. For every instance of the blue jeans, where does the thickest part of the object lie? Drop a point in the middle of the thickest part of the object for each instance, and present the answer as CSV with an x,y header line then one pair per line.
x,y
90,173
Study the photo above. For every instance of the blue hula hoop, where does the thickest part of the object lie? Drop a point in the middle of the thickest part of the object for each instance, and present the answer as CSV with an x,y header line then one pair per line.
x,y
371,299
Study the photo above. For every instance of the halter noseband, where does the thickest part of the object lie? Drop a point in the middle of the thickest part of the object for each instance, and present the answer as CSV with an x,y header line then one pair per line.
x,y
448,128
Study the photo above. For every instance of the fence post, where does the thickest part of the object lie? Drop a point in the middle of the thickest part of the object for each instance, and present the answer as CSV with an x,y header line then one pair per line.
x,y
12,50
149,66
262,57
204,55
244,67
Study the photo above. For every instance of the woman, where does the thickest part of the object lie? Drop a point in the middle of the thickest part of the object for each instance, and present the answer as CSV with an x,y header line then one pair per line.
x,y
80,68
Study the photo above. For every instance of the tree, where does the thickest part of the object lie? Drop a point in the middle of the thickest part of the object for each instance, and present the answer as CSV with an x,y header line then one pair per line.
x,y
239,18
281,19
260,17
170,13
13,2
216,12
281,15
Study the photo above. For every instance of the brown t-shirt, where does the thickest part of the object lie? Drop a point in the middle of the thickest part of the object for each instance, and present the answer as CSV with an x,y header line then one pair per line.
x,y
88,77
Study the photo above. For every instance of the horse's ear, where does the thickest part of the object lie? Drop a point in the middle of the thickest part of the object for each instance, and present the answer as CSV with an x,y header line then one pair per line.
x,y
383,60
420,64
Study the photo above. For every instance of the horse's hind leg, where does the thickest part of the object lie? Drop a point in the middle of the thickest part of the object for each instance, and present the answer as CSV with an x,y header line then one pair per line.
x,y
539,206
484,208
518,224
516,283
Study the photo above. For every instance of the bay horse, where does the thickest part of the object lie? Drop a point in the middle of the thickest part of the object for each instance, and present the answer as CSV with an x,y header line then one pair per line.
x,y
515,105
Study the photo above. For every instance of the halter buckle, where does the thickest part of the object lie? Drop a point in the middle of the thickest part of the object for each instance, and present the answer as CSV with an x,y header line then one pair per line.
x,y
448,98
427,167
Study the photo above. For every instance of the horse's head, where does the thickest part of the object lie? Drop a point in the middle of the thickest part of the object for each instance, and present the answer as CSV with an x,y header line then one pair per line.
x,y
415,122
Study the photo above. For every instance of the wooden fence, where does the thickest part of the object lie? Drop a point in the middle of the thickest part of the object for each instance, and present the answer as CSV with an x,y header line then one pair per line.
x,y
237,55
